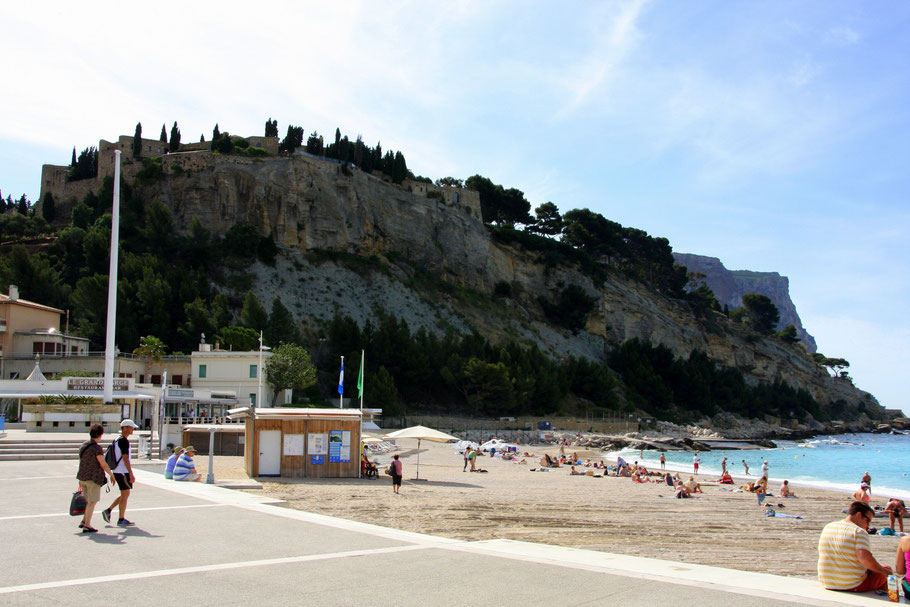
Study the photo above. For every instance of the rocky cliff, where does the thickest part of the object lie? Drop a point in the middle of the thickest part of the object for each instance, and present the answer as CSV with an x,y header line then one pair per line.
x,y
730,286
312,205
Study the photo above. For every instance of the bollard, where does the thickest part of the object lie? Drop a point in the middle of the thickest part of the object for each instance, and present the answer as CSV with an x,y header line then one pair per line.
x,y
210,477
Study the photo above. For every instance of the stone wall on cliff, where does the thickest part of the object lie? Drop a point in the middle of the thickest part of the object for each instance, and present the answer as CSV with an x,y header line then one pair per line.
x,y
729,286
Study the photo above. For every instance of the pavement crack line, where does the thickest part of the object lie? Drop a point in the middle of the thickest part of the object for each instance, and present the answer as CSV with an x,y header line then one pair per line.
x,y
205,568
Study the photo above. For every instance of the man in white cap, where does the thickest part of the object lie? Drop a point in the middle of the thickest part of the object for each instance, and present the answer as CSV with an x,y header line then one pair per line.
x,y
764,468
123,473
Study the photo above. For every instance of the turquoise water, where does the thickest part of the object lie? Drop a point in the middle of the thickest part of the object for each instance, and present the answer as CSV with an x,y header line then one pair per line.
x,y
831,462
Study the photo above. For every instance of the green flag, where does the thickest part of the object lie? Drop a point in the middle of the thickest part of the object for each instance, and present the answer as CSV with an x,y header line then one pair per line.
x,y
360,377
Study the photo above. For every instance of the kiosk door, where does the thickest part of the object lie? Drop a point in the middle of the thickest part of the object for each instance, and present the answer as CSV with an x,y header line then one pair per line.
x,y
270,453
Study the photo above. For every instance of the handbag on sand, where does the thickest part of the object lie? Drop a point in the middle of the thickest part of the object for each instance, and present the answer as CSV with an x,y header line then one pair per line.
x,y
77,503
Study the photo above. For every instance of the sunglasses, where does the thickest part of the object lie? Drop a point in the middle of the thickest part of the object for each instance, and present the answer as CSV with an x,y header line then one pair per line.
x,y
867,517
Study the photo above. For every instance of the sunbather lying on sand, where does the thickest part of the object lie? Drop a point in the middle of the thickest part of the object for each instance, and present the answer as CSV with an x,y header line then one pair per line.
x,y
576,472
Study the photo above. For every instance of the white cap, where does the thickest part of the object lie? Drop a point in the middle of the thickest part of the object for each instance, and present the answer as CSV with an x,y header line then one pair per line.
x,y
128,422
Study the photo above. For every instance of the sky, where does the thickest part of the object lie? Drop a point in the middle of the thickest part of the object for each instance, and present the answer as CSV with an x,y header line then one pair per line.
x,y
771,135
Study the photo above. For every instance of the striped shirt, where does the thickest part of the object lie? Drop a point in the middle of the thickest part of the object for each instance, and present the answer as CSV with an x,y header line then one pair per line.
x,y
838,566
183,467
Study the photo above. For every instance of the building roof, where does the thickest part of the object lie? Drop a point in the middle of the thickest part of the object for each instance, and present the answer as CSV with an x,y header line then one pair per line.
x,y
294,413
4,299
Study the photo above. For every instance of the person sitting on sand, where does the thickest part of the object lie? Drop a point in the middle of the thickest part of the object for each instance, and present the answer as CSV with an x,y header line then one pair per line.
x,y
896,509
785,490
681,490
862,494
576,472
692,486
575,458
725,478
669,479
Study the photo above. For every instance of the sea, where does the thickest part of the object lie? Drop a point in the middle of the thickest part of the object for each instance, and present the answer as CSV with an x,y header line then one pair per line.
x,y
827,462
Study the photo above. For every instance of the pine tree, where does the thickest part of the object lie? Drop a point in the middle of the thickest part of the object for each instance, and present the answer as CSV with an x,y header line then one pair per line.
x,y
281,328
174,144
163,137
253,314
137,141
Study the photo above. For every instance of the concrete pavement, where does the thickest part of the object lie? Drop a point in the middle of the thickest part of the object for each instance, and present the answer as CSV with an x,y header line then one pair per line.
x,y
200,544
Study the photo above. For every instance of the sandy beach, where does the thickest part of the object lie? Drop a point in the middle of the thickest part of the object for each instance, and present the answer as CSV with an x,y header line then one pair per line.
x,y
610,514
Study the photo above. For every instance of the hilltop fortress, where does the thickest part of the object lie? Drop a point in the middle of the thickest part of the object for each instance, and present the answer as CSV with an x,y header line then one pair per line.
x,y
195,157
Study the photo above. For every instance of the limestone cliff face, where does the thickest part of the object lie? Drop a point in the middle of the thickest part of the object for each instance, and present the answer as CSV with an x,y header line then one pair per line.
x,y
311,204
730,286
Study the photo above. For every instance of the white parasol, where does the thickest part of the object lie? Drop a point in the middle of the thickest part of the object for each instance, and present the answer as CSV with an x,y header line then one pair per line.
x,y
422,433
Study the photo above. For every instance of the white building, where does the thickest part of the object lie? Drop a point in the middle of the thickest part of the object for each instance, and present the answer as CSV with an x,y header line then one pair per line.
x,y
221,371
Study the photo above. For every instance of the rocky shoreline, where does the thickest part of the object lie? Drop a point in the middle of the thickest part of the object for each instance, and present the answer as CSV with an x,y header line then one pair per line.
x,y
725,432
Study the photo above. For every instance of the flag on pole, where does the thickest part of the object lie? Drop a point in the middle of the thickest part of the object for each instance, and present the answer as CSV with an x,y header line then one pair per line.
x,y
360,378
341,378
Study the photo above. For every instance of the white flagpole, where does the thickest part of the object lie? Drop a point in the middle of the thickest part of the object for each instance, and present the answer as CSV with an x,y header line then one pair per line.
x,y
362,382
112,288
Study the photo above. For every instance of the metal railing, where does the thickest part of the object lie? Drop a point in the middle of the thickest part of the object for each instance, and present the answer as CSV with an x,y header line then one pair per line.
x,y
93,354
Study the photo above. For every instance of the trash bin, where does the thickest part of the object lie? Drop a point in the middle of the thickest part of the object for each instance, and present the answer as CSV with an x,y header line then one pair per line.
x,y
143,446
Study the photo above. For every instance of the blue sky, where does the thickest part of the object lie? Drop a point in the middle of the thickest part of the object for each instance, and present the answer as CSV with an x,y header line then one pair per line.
x,y
771,135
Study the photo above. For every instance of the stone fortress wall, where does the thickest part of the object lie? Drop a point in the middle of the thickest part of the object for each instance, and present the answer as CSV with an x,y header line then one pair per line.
x,y
196,157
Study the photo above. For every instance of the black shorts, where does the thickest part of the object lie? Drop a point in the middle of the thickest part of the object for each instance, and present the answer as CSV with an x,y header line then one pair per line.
x,y
123,481
396,479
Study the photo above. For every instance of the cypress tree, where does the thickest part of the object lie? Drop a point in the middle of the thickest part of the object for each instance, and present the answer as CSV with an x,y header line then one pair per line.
x,y
47,207
215,135
137,141
174,144
73,161
163,137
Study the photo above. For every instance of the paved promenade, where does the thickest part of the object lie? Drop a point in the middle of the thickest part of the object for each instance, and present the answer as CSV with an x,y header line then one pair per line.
x,y
198,544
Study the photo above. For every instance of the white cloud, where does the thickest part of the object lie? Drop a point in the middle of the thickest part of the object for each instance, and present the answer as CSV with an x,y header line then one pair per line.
x,y
843,36
593,71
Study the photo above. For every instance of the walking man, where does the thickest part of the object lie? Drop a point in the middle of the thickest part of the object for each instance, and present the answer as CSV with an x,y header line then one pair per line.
x,y
92,469
123,474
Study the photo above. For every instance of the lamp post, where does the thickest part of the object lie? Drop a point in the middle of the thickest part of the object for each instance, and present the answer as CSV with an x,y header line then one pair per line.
x,y
210,477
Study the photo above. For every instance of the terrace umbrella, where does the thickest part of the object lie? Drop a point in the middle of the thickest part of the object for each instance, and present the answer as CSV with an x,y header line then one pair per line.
x,y
422,433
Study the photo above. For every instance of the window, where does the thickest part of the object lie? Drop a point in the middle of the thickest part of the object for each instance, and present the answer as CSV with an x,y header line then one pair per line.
x,y
178,379
156,379
201,371
253,371
253,399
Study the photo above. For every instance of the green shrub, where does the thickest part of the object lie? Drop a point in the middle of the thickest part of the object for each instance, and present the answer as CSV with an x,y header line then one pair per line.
x,y
151,170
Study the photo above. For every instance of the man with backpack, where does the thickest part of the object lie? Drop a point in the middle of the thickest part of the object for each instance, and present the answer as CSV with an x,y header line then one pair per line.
x,y
118,458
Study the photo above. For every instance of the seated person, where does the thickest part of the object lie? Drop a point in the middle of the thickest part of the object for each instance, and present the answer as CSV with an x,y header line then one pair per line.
x,y
669,479
185,468
171,462
681,490
693,487
725,478
588,463
369,468
576,472
862,494
785,490
896,509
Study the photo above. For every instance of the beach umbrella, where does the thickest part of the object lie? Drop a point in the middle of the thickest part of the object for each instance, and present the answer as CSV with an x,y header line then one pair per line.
x,y
422,433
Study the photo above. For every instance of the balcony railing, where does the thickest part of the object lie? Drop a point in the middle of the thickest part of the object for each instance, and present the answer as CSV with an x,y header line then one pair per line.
x,y
93,354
